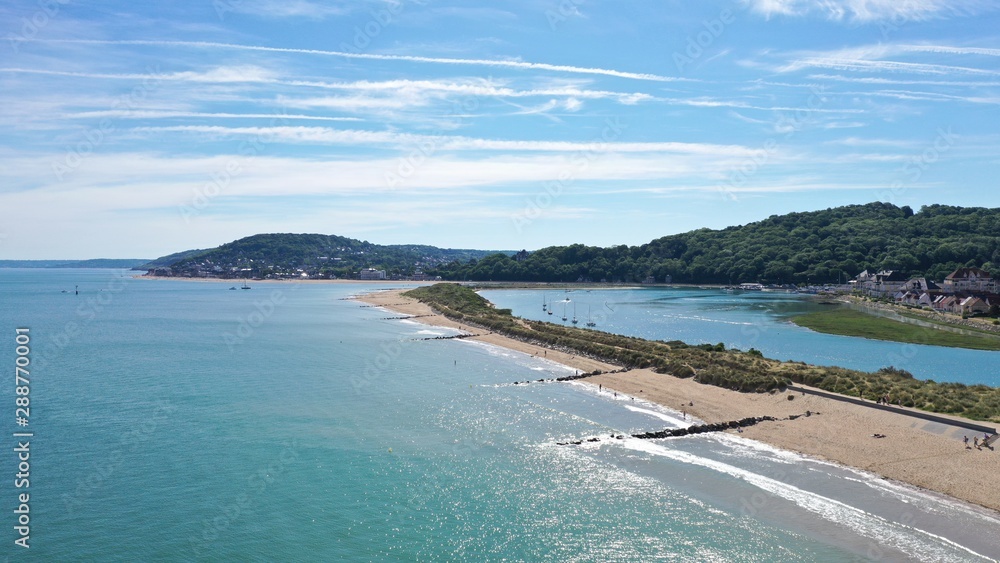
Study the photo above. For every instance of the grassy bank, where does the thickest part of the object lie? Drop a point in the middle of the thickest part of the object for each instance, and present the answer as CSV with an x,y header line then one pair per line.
x,y
850,322
745,371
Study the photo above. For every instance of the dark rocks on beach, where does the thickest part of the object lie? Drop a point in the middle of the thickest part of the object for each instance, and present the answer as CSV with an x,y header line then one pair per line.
x,y
690,430
452,337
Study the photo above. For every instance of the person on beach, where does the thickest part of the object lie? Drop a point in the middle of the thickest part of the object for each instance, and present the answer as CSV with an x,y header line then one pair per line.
x,y
975,441
965,440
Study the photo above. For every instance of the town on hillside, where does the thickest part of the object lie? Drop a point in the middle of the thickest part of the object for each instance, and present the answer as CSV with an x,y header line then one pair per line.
x,y
966,291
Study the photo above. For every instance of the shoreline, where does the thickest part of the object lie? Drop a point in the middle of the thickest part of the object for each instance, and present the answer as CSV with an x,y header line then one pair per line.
x,y
927,455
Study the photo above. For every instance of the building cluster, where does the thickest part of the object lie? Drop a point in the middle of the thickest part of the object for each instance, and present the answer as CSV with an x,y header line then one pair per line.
x,y
208,270
966,291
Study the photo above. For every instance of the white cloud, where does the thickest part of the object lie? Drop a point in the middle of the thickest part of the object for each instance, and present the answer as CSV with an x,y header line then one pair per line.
x,y
280,8
353,137
503,63
864,11
166,114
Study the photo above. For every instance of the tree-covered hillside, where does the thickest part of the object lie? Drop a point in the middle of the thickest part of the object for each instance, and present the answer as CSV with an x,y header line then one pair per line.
x,y
813,247
319,255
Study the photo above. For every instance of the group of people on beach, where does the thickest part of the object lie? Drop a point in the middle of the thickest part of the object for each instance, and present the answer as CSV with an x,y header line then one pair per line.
x,y
884,400
976,442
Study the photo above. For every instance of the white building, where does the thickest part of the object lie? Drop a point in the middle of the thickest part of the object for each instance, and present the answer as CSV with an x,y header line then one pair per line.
x,y
973,280
371,274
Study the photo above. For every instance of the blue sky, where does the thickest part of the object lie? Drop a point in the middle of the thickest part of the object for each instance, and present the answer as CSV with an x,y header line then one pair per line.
x,y
138,129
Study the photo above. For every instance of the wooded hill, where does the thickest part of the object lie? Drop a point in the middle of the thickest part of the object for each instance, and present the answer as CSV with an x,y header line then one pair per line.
x,y
323,255
812,247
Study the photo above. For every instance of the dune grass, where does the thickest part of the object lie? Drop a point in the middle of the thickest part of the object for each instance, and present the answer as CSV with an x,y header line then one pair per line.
x,y
713,364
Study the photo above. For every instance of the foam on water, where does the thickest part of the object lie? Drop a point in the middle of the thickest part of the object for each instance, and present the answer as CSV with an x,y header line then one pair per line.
x,y
911,541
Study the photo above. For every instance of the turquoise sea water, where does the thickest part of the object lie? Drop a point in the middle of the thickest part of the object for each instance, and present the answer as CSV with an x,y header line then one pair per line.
x,y
181,421
747,320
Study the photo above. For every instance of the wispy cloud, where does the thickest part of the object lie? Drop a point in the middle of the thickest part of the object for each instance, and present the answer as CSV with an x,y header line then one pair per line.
x,y
869,10
166,114
354,137
282,8
868,65
899,81
373,56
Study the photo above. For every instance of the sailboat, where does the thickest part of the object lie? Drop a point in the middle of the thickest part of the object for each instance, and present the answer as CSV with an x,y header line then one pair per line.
x,y
564,311
590,323
543,302
574,314
245,286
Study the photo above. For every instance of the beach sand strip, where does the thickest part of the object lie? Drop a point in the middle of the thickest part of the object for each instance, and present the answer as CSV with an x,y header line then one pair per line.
x,y
925,454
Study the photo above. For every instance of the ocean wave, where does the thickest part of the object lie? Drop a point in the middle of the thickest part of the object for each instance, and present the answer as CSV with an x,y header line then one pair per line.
x,y
912,541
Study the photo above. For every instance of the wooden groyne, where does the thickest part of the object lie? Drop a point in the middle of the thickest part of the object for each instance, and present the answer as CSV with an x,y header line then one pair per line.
x,y
695,429
571,377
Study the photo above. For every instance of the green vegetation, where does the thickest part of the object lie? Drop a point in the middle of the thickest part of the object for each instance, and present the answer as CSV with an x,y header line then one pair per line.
x,y
818,247
815,247
850,322
713,364
317,255
941,320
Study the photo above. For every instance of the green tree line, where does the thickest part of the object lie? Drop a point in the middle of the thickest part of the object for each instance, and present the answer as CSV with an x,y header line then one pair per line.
x,y
277,253
811,247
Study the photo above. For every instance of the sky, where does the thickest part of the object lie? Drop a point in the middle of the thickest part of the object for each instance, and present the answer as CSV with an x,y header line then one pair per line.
x,y
135,129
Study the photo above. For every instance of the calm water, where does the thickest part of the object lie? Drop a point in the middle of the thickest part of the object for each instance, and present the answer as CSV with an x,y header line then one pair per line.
x,y
747,320
181,421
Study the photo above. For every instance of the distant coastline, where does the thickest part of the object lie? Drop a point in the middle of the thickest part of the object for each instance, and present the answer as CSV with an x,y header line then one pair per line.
x,y
97,263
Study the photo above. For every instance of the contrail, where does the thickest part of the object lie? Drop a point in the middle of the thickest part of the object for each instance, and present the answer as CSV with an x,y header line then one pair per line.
x,y
372,56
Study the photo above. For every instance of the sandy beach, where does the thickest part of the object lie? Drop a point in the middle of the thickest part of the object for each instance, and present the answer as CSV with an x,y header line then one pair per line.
x,y
925,454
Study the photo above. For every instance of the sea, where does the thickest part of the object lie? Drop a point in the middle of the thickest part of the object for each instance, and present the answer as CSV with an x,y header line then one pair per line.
x,y
186,421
